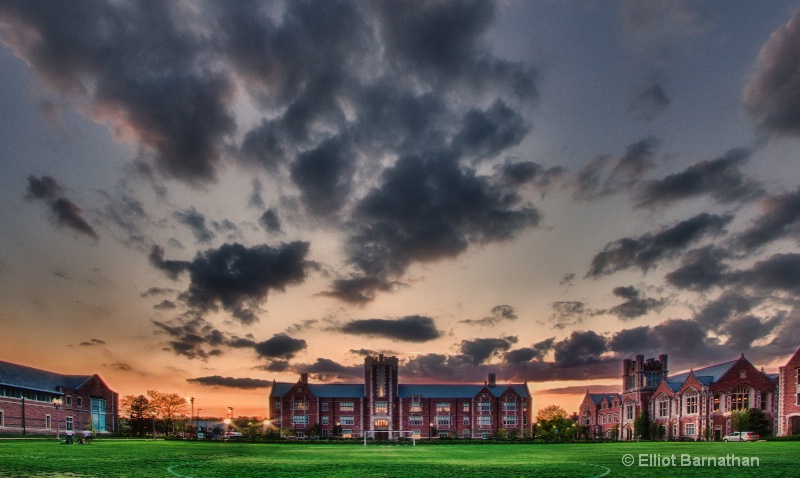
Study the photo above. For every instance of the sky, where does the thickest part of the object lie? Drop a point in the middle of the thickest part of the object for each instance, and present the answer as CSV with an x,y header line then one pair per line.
x,y
201,197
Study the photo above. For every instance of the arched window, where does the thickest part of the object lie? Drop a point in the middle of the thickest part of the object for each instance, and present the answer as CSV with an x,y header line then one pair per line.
x,y
691,399
381,422
740,398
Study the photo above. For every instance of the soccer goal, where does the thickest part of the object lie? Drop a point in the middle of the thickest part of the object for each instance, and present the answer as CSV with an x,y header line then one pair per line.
x,y
391,435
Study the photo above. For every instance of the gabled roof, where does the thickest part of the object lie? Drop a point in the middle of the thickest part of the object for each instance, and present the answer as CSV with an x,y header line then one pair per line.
x,y
456,390
705,375
597,398
30,378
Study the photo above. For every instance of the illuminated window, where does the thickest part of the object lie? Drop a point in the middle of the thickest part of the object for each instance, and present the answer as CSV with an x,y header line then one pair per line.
x,y
465,408
443,407
692,399
299,405
347,406
715,406
740,398
382,422
381,407
416,407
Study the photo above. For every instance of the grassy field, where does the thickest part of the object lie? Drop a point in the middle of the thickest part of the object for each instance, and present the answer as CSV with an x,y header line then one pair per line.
x,y
36,458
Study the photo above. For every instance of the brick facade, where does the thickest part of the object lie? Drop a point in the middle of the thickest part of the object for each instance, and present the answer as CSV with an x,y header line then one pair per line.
x,y
27,407
382,405
789,400
601,413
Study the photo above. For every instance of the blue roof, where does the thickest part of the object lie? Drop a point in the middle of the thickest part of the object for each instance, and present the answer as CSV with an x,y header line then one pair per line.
x,y
30,378
674,386
597,398
443,390
706,375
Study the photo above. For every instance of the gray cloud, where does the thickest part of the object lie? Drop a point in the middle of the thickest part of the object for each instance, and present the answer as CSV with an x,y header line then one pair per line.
x,y
569,313
499,313
280,346
700,269
771,95
635,305
720,178
645,251
481,350
411,328
780,218
607,174
196,222
66,213
231,382
270,221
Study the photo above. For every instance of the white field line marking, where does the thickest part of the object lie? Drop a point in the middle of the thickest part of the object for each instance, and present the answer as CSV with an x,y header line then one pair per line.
x,y
178,474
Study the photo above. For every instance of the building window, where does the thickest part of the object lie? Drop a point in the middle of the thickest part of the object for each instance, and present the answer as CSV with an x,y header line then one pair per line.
x,y
616,418
486,407
347,420
325,433
69,401
629,411
416,407
347,406
444,434
798,376
484,435
299,405
48,422
466,421
742,373
510,420
382,422
381,407
443,407
79,402
2,418
68,422
763,400
443,422
415,420
416,433
324,406
325,420
692,400
300,434
484,420
715,406
663,406
674,429
740,398
299,419
510,407
466,433
277,405
690,428
98,414
798,399
347,433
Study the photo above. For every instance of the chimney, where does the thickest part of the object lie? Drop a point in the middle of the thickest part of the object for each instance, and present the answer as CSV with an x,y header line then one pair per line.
x,y
304,378
492,379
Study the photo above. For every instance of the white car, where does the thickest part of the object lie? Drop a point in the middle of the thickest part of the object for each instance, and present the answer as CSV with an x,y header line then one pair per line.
x,y
741,436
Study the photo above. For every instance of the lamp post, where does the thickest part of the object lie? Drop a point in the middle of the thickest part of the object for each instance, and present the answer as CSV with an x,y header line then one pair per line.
x,y
191,400
154,425
57,406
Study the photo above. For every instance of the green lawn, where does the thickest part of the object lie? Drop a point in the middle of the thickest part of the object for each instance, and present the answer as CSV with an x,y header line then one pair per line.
x,y
192,459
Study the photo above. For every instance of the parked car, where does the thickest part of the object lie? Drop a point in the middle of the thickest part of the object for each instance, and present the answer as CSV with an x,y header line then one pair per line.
x,y
741,436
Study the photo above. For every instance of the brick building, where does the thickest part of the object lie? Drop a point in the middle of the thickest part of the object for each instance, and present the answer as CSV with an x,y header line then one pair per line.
x,y
28,399
789,400
600,413
382,405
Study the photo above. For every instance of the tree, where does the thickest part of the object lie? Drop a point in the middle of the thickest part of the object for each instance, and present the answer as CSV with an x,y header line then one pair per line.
x,y
740,421
757,422
641,426
167,405
552,422
138,409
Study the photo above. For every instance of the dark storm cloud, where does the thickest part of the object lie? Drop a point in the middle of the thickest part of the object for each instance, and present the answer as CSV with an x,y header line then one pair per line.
x,y
237,277
780,218
137,67
580,348
729,304
720,178
516,174
66,213
481,350
425,209
196,222
128,213
192,338
743,331
499,313
411,328
771,96
635,305
231,382
326,370
645,251
157,290
780,272
682,339
485,134
165,305
280,346
171,268
324,177
606,175
700,269
301,326
649,102
226,227
270,221
527,354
